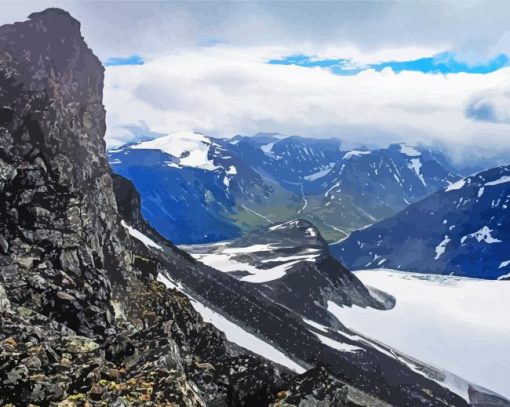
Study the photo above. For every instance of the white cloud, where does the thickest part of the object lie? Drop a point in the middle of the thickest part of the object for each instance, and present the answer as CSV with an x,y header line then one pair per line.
x,y
229,89
475,29
226,90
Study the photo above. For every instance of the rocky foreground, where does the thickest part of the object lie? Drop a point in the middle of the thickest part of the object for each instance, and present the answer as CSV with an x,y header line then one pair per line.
x,y
84,321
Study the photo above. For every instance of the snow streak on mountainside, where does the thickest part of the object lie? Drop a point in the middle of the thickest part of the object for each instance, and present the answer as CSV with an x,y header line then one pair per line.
x,y
453,322
462,229
238,185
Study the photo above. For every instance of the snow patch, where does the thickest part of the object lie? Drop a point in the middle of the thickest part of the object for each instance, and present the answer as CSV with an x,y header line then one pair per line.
x,y
316,325
409,151
499,181
170,283
342,347
227,264
140,236
192,149
415,165
484,234
319,174
310,232
232,170
263,275
284,225
441,247
456,185
267,148
355,153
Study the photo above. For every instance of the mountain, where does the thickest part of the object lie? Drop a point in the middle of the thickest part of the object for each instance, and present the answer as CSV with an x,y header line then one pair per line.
x,y
235,186
290,263
364,371
287,159
84,320
194,189
463,229
99,309
342,191
381,181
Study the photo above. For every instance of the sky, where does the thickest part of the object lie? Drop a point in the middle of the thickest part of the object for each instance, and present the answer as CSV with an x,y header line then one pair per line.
x,y
371,73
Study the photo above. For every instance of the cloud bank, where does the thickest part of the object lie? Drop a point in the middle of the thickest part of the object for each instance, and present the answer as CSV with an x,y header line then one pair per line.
x,y
205,68
224,91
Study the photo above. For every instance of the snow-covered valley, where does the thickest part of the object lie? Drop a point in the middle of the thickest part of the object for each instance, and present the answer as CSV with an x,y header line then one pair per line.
x,y
459,324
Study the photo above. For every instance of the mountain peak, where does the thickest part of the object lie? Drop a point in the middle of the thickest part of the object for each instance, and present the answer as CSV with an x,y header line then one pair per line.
x,y
189,147
300,225
54,14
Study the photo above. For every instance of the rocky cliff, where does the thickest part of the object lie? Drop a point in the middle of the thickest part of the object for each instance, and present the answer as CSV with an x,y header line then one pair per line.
x,y
83,317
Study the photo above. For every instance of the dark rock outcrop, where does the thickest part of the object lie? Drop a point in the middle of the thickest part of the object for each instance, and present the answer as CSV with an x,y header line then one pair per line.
x,y
62,244
83,317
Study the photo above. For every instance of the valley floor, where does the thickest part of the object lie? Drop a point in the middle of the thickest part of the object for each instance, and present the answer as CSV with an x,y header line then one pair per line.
x,y
459,324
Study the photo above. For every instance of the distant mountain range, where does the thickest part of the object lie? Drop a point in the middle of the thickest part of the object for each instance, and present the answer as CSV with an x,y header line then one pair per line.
x,y
462,229
198,189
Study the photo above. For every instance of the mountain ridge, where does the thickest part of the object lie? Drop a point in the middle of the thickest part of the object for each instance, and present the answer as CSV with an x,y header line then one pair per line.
x,y
250,182
460,230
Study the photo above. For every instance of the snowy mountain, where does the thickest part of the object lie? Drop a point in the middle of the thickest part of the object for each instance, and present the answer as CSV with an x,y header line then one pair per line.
x,y
382,181
237,185
290,263
463,229
193,188
288,160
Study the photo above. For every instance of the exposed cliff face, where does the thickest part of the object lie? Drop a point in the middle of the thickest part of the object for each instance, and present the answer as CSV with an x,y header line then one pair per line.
x,y
59,223
83,318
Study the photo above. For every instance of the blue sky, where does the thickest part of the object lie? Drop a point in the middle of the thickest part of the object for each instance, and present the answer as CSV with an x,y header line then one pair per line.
x,y
442,63
123,61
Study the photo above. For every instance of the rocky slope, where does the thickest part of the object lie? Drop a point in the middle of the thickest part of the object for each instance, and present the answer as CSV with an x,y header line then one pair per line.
x,y
84,319
290,263
462,229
